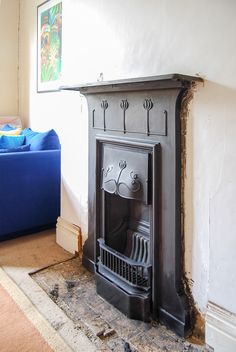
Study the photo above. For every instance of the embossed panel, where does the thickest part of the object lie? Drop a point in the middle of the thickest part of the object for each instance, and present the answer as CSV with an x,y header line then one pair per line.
x,y
125,172
127,114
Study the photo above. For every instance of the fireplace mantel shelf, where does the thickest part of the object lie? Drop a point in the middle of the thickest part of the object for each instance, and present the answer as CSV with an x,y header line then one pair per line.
x,y
174,80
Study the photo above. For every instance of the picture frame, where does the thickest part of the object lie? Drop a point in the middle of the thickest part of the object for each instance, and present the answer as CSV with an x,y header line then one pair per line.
x,y
49,46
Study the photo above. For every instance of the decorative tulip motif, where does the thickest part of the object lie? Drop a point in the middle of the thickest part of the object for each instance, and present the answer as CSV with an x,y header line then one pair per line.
x,y
104,106
148,105
131,182
122,164
124,106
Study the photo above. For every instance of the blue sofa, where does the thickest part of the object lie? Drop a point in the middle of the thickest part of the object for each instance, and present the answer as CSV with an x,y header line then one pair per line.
x,y
29,192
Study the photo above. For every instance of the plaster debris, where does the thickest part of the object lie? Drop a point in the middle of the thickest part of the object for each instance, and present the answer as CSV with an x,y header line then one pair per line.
x,y
106,327
54,292
108,332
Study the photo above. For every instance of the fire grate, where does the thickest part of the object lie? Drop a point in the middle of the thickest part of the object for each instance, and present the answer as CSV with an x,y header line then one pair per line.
x,y
132,272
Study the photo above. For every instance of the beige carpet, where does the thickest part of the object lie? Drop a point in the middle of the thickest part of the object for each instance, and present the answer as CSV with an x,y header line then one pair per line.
x,y
22,328
44,320
30,252
17,333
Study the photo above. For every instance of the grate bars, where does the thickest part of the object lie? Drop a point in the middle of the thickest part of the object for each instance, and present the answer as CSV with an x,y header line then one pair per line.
x,y
137,274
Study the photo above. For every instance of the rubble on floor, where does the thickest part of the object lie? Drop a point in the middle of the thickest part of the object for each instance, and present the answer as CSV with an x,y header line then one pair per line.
x,y
73,289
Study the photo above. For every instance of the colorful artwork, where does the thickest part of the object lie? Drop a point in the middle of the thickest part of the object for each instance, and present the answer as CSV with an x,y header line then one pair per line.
x,y
49,45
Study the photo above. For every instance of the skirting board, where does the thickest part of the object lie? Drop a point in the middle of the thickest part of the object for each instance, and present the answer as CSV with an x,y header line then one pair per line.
x,y
68,236
220,329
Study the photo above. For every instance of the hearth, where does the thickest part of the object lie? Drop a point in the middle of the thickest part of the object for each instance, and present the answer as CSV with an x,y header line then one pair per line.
x,y
135,239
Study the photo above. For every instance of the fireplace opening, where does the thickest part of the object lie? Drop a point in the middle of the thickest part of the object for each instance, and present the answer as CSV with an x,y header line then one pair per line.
x,y
125,247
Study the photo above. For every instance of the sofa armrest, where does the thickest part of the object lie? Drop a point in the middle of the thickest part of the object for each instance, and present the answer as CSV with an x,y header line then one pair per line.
x,y
29,191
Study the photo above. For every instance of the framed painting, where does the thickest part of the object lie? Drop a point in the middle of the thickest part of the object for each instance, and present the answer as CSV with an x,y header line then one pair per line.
x,y
49,41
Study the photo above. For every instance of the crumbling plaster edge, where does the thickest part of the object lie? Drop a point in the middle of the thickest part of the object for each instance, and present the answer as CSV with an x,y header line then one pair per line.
x,y
197,317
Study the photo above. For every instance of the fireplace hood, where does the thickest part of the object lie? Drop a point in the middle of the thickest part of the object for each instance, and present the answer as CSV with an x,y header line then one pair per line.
x,y
135,242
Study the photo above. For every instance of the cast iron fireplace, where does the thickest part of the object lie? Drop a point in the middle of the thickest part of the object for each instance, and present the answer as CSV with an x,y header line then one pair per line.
x,y
135,239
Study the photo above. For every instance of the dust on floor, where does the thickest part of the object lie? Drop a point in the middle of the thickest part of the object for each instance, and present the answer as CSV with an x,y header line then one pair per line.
x,y
72,288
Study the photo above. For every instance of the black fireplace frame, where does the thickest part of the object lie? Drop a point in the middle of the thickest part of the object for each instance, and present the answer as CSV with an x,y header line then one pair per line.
x,y
156,103
133,305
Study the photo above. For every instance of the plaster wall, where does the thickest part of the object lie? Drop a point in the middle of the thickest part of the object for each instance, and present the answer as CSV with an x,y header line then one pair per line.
x,y
140,38
9,21
62,111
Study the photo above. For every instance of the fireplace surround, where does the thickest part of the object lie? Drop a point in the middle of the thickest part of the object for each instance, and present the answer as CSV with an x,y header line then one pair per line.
x,y
135,242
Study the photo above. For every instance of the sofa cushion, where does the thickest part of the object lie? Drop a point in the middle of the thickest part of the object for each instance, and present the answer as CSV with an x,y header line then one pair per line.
x,y
6,127
13,121
41,140
29,134
7,142
10,132
22,148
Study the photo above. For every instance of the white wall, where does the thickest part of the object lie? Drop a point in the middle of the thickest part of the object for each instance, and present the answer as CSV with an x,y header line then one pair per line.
x,y
131,38
9,20
61,111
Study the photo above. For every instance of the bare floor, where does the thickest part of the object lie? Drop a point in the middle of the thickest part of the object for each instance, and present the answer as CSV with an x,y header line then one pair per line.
x,y
72,287
64,294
